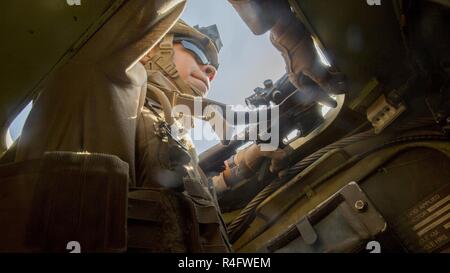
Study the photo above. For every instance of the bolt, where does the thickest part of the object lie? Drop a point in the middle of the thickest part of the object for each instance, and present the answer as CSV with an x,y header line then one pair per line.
x,y
268,84
276,96
360,205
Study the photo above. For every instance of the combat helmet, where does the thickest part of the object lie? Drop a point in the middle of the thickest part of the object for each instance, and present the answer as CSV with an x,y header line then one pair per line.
x,y
203,42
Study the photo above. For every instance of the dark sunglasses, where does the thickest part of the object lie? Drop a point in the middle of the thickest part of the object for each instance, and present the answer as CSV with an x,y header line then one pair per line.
x,y
198,53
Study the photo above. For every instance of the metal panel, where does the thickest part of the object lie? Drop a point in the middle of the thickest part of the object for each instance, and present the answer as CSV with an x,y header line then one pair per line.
x,y
363,41
36,37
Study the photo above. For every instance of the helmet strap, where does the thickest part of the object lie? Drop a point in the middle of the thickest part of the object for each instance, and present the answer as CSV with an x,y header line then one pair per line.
x,y
163,61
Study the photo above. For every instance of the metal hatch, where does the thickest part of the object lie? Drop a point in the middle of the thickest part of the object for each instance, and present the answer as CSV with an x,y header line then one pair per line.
x,y
37,37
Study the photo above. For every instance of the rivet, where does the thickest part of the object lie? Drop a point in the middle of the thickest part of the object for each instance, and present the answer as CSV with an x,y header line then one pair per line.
x,y
360,205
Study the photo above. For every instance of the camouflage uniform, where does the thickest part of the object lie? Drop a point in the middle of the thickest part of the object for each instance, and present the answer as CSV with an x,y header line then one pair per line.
x,y
173,207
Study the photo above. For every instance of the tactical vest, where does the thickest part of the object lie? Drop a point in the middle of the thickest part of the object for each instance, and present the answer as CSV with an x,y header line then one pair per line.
x,y
172,207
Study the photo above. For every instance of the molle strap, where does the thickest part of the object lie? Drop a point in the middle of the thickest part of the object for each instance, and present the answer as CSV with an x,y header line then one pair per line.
x,y
185,88
163,59
204,206
210,225
195,189
145,205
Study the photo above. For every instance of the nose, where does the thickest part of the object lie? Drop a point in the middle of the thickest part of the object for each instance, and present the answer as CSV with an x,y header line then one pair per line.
x,y
210,71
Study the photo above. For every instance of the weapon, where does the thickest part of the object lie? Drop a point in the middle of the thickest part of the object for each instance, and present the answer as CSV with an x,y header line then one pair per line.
x,y
298,110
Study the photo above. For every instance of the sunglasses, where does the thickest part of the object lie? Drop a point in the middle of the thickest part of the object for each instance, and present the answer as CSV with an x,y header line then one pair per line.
x,y
198,53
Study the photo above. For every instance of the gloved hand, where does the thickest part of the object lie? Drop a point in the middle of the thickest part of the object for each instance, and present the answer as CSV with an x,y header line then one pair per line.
x,y
276,158
292,39
247,163
296,45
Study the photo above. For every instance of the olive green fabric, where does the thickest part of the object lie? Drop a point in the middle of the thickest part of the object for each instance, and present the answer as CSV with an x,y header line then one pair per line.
x,y
37,38
92,102
395,178
187,201
64,197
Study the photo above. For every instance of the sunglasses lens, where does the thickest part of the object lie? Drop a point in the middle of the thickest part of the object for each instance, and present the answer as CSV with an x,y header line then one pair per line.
x,y
197,51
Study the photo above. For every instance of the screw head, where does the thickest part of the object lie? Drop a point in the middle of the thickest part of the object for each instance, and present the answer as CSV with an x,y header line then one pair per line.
x,y
276,96
268,84
360,205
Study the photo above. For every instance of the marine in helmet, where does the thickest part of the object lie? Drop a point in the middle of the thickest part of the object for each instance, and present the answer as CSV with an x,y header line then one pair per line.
x,y
188,218
183,64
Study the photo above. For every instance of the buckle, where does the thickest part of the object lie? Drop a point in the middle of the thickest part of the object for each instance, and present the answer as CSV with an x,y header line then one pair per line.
x,y
167,66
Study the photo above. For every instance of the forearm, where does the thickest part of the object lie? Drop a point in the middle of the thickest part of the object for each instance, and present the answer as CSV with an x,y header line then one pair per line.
x,y
244,165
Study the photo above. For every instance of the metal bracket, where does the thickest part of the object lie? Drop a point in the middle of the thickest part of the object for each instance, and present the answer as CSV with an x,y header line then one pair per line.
x,y
307,231
381,113
342,223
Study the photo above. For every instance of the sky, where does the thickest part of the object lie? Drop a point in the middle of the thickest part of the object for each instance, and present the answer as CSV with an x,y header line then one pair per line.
x,y
246,60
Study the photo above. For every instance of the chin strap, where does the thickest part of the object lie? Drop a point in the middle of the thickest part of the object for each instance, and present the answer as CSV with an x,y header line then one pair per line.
x,y
163,61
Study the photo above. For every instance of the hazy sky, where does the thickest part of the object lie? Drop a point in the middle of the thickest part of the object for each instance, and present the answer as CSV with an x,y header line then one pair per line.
x,y
246,60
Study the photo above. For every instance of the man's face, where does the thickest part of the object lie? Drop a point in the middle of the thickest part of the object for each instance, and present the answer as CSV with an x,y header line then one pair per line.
x,y
192,72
